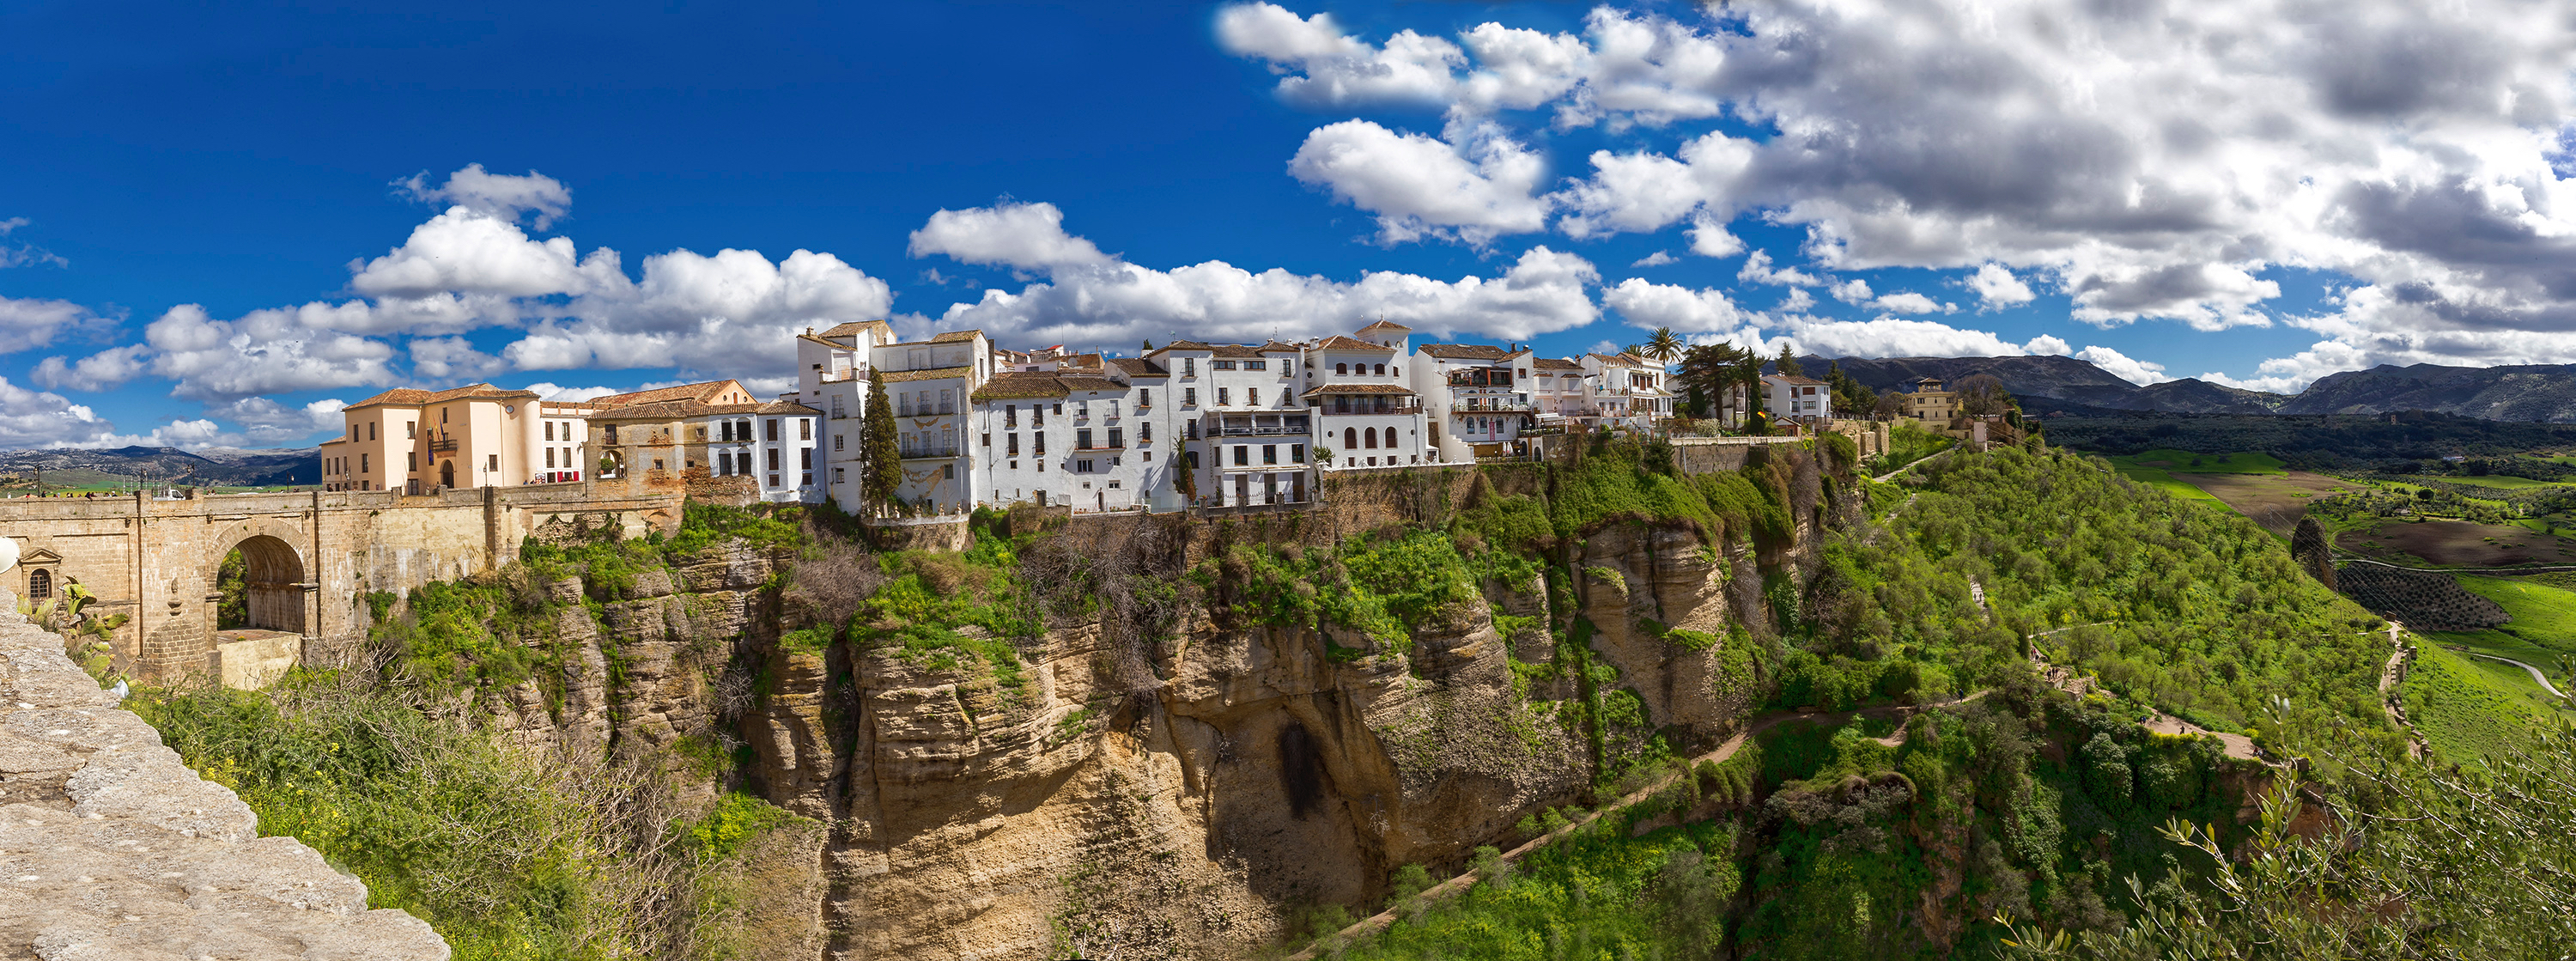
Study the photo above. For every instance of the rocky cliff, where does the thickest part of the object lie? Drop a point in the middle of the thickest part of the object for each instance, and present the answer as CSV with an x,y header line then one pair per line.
x,y
1156,767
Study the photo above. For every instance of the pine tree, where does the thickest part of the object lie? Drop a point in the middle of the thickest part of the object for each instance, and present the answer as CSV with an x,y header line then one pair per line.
x,y
880,458
1185,479
1788,364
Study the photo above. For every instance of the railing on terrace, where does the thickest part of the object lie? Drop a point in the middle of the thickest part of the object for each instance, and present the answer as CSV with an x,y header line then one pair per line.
x,y
1266,431
930,450
446,446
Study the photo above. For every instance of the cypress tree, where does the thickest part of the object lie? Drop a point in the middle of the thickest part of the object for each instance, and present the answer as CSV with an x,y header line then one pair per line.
x,y
880,459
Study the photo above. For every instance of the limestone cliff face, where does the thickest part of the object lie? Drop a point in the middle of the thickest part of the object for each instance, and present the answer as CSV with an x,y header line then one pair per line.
x,y
1188,814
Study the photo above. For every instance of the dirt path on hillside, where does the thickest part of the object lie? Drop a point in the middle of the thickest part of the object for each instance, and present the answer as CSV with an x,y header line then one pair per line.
x,y
2535,672
1459,885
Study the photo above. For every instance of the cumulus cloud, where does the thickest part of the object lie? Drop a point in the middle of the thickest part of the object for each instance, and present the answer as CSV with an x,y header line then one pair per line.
x,y
506,197
100,371
2120,365
1017,235
1470,186
1657,259
1651,305
266,422
1118,303
550,391
263,352
29,323
1757,269
2048,345
30,418
1711,312
1996,287
2152,161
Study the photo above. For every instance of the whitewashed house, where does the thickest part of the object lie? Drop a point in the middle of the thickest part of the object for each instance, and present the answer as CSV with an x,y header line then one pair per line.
x,y
1473,398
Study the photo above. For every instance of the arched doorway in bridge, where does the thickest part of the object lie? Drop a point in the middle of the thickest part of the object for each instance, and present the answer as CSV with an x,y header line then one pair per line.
x,y
269,584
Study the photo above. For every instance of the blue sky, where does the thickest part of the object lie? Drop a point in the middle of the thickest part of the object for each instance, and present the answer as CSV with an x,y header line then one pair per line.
x,y
2042,177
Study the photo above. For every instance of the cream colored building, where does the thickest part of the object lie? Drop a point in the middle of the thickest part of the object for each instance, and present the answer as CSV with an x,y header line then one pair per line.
x,y
418,441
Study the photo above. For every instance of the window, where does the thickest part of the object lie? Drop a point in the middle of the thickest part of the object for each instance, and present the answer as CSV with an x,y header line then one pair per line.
x,y
1222,365
1189,396
1037,415
1113,437
411,461
773,430
1381,370
492,463
1012,442
1368,438
724,431
1082,466
550,457
988,438
947,471
1145,432
1189,366
40,585
700,431
836,475
1149,457
371,426
1341,370
724,463
805,459
1270,453
442,418
805,480
550,430
836,440
1144,397
773,460
1037,444
1242,455
1190,459
1297,453
1350,438
364,469
1059,409
1082,439
1221,398
947,402
1113,485
836,407
1010,416
1256,365
1252,396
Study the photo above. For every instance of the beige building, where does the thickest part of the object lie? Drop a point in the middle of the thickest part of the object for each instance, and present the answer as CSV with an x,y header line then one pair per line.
x,y
417,441
1929,402
713,438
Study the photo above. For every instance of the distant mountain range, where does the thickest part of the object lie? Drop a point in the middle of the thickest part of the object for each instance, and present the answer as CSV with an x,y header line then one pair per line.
x,y
218,466
2065,385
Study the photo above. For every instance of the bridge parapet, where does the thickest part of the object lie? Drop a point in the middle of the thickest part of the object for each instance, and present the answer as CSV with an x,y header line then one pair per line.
x,y
110,847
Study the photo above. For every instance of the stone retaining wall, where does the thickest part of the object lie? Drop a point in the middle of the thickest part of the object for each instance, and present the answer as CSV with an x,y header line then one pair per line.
x,y
112,849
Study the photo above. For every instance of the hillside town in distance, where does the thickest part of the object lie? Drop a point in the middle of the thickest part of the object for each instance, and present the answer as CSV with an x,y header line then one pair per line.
x,y
1185,424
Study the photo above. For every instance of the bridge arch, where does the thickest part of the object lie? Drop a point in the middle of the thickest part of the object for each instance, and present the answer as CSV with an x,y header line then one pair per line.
x,y
276,577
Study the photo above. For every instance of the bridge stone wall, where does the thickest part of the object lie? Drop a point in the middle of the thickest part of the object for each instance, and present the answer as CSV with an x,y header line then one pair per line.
x,y
111,848
312,557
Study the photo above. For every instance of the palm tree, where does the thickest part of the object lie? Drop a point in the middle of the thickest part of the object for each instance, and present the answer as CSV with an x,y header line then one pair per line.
x,y
1663,346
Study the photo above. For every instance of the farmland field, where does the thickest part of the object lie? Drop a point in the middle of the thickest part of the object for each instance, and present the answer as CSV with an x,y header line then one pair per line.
x,y
2467,710
2455,544
2275,500
2495,481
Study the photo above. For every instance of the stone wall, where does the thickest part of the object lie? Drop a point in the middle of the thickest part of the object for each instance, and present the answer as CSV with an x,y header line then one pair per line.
x,y
112,849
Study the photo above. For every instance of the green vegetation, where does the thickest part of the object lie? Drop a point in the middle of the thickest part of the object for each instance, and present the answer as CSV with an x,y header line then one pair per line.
x,y
1907,442
954,611
1595,894
507,854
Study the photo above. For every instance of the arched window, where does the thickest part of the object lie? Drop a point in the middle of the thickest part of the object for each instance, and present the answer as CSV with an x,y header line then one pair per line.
x,y
1350,438
40,585
1369,439
1342,370
1381,370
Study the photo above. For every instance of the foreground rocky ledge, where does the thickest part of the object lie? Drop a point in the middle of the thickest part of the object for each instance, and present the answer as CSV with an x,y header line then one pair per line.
x,y
112,849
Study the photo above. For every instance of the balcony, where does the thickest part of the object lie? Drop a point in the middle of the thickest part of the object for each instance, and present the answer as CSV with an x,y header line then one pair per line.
x,y
1299,431
924,410
1363,410
444,446
928,451
1494,407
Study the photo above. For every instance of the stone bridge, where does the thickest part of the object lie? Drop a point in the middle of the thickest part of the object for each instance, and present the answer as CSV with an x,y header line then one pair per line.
x,y
311,558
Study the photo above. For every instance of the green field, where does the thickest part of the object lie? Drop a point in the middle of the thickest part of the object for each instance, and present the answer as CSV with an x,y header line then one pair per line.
x,y
2467,710
2543,616
2495,481
2183,462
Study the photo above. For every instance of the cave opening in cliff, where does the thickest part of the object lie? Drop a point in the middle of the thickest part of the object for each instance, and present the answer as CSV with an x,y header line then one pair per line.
x,y
1301,769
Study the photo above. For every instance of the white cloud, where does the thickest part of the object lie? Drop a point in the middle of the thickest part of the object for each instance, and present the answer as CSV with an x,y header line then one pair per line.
x,y
1657,259
1016,235
1472,186
1894,337
464,251
266,422
1116,305
1757,269
1997,287
1709,238
2150,160
1909,302
100,371
2120,365
1329,69
1650,305
452,358
1797,301
1853,292
36,419
32,323
2048,345
20,255
264,352
505,197
554,392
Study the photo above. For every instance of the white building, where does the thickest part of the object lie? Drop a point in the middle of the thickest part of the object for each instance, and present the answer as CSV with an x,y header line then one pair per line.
x,y
1245,430
928,384
1559,390
1364,412
1796,398
1629,391
1473,397
1095,440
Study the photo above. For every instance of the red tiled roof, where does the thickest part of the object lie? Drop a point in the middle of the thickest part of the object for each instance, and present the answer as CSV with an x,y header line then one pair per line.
x,y
1140,367
1088,382
1465,351
698,392
1016,385
1554,363
955,336
1385,325
1339,342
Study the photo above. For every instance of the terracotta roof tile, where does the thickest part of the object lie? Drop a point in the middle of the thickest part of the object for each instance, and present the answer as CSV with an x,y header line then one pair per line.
x,y
1238,350
398,395
698,392
935,373
1087,382
1019,385
1554,363
854,327
955,336
1339,342
1140,367
1385,325
1184,345
1465,351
